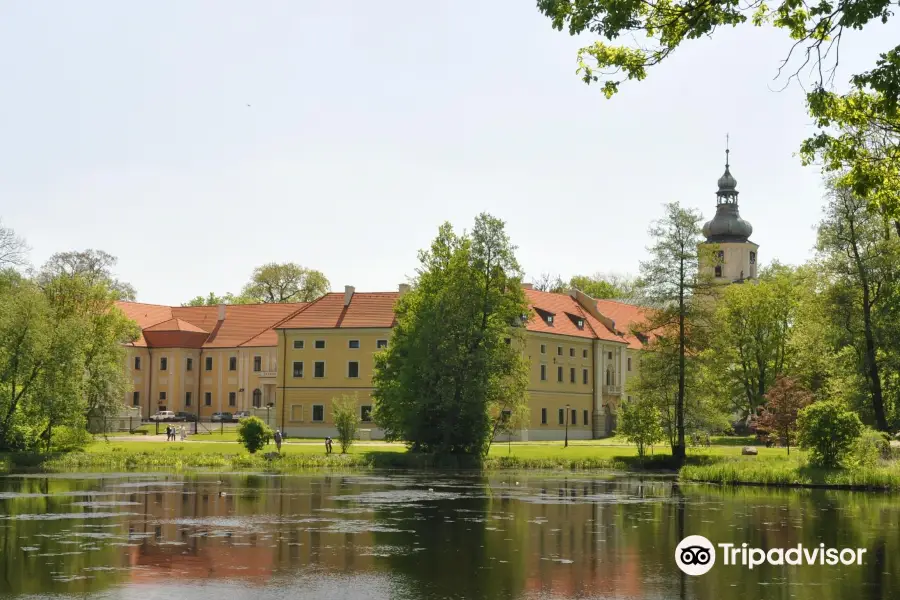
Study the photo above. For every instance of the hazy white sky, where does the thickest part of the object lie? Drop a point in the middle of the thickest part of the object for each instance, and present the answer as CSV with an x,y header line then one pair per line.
x,y
125,127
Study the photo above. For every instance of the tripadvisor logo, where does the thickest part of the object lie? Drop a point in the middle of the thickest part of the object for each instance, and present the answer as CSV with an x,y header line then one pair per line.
x,y
695,555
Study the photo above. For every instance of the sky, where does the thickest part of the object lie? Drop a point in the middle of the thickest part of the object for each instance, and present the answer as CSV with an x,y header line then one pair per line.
x,y
126,127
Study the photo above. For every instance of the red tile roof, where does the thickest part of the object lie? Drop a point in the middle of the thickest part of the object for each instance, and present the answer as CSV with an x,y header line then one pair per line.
x,y
244,324
625,317
565,308
366,309
175,325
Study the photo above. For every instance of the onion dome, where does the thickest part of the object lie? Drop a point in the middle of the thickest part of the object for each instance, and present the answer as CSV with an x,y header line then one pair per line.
x,y
727,225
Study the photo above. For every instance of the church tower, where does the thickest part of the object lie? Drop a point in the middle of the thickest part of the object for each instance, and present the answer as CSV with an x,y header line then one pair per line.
x,y
737,255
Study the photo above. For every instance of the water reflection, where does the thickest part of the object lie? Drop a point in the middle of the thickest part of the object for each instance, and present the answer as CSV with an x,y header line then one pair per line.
x,y
516,535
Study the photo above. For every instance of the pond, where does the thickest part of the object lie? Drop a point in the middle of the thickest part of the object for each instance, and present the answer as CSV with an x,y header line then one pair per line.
x,y
372,536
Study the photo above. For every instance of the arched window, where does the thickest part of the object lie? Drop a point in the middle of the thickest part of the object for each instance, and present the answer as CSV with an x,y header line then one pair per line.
x,y
257,398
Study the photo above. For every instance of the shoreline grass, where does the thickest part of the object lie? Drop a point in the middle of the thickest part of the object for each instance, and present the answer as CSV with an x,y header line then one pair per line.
x,y
793,473
721,465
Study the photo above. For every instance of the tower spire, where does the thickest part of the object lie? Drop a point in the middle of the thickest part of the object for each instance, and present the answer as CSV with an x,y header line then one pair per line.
x,y
727,149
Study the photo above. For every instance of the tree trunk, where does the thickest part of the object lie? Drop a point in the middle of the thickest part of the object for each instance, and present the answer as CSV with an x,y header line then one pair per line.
x,y
679,450
872,364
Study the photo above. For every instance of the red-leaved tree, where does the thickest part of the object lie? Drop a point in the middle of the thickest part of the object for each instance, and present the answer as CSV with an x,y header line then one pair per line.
x,y
783,401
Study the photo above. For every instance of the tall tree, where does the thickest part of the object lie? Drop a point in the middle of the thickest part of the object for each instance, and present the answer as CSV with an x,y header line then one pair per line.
x,y
861,256
455,362
61,356
13,249
752,325
672,284
285,282
94,266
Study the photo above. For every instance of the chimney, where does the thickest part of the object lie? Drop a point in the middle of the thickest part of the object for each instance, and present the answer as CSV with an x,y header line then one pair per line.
x,y
348,294
221,312
403,288
527,286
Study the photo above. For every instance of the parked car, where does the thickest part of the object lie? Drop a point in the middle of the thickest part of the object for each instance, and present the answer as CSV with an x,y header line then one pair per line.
x,y
185,416
241,414
224,417
163,415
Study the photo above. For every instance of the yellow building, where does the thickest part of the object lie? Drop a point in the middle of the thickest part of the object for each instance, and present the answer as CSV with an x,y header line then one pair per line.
x,y
286,362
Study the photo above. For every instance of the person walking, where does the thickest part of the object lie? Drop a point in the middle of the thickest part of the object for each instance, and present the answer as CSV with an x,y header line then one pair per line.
x,y
328,445
183,433
278,440
168,432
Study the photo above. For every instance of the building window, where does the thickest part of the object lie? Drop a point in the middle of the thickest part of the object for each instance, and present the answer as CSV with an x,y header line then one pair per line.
x,y
297,412
136,399
318,413
319,369
572,352
549,319
753,258
584,353
162,396
298,369
574,417
629,363
718,271
561,416
320,344
353,344
586,418
579,323
257,398
543,416
543,372
298,345
232,398
353,369
257,364
543,348
163,364
232,363
559,350
629,398
381,344
187,398
189,364
209,363
137,363
207,399
609,355
584,376
572,375
559,374
365,413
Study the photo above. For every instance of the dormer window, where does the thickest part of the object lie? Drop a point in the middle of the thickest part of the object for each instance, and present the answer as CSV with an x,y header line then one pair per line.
x,y
579,323
548,319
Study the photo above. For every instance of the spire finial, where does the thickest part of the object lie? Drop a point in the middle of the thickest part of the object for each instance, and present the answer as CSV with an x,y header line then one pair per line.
x,y
727,149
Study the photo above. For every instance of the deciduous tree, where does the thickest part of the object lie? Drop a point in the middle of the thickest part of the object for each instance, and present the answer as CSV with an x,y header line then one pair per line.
x,y
13,250
455,362
285,282
784,401
672,284
95,266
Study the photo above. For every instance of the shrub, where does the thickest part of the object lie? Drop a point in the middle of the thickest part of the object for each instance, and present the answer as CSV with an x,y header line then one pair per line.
x,y
67,439
346,420
829,431
253,433
869,448
640,424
